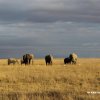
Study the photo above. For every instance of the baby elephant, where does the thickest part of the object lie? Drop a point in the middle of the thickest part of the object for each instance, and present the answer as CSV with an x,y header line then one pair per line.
x,y
67,61
12,61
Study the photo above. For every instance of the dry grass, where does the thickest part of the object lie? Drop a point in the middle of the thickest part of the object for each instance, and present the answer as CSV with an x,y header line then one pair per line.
x,y
56,82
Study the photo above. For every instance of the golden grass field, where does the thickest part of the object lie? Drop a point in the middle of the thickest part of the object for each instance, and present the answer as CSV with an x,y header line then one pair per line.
x,y
56,82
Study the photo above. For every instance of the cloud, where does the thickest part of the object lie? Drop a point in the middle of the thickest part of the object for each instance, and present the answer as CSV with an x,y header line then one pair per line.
x,y
13,11
59,24
63,34
46,22
91,44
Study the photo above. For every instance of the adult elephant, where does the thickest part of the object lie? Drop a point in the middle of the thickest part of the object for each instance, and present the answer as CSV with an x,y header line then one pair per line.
x,y
48,59
27,59
73,58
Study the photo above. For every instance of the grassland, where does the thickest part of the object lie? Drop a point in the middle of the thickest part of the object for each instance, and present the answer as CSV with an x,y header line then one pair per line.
x,y
56,82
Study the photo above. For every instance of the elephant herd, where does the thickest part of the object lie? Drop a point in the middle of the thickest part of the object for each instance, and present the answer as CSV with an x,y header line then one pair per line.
x,y
27,59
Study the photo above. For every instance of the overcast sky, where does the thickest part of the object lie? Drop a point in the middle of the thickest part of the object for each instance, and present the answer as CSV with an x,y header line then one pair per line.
x,y
50,22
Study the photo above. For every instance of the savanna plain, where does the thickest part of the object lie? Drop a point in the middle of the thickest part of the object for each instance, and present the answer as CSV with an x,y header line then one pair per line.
x,y
56,82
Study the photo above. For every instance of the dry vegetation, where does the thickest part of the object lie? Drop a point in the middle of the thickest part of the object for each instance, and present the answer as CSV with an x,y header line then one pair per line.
x,y
56,82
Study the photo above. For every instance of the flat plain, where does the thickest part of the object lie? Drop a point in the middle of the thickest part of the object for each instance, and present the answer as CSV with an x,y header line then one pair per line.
x,y
56,82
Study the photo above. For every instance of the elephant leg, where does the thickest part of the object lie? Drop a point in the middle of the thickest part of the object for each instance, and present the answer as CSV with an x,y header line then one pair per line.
x,y
51,62
32,61
29,61
46,63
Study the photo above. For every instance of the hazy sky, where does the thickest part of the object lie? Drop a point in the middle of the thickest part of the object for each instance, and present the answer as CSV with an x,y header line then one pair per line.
x,y
50,22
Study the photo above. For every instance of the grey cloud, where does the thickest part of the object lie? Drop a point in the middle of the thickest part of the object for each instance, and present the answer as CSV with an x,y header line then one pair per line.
x,y
49,10
49,23
46,34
